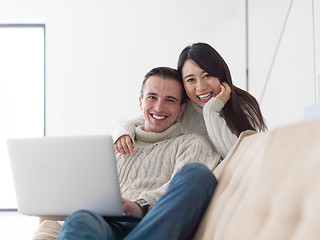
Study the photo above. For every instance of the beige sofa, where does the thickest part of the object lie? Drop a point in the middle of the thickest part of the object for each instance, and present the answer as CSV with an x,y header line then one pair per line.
x,y
269,188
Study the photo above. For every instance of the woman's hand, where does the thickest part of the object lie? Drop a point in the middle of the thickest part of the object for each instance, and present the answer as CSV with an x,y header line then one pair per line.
x,y
225,93
124,145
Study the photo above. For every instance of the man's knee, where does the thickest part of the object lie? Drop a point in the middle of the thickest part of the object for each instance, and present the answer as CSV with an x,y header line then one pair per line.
x,y
197,169
198,172
81,218
195,166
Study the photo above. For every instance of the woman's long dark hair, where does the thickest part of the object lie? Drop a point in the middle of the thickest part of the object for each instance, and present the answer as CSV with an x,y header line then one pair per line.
x,y
242,111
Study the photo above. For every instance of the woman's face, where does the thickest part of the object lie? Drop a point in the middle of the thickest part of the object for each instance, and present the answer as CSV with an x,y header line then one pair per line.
x,y
199,85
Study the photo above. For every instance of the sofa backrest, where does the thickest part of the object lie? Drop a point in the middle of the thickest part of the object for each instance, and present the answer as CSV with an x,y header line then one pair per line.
x,y
269,187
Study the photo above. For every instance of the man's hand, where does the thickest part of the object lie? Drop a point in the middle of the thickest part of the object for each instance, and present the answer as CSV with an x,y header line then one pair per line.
x,y
124,145
225,93
132,208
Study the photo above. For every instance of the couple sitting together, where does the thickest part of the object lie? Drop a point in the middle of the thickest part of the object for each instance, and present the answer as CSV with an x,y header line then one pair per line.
x,y
166,158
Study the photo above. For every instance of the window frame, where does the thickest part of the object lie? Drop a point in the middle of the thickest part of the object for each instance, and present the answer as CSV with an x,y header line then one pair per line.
x,y
32,25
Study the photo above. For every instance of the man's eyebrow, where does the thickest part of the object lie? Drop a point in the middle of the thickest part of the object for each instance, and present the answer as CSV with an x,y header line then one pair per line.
x,y
171,97
151,93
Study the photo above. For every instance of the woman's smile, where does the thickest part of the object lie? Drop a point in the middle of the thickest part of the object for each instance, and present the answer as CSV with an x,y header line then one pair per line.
x,y
205,97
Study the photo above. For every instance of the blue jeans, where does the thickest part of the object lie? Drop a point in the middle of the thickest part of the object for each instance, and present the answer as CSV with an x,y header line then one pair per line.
x,y
176,215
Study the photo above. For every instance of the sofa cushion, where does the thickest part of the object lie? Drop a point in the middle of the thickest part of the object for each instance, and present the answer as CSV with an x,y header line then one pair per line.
x,y
269,187
47,230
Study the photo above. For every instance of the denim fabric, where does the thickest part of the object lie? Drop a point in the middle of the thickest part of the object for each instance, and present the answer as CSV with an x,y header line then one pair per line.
x,y
175,216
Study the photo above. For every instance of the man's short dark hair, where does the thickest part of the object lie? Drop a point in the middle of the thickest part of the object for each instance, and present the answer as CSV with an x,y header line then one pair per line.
x,y
166,73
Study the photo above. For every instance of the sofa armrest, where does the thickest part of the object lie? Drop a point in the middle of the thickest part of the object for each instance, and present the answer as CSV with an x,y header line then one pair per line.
x,y
269,187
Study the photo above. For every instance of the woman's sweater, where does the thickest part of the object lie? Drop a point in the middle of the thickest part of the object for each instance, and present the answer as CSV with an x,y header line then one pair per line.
x,y
158,156
205,122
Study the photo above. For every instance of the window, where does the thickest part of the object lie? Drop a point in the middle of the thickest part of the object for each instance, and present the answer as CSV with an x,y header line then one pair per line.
x,y
22,74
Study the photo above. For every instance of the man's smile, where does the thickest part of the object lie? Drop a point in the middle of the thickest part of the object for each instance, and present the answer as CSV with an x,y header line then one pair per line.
x,y
158,117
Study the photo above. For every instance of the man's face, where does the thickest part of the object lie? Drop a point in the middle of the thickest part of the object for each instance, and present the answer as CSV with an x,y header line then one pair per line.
x,y
161,103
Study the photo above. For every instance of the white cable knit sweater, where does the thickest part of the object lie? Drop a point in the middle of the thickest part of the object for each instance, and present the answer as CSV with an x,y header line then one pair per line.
x,y
204,121
158,156
207,122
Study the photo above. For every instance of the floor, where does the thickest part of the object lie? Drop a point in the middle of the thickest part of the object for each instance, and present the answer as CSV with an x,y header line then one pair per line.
x,y
15,226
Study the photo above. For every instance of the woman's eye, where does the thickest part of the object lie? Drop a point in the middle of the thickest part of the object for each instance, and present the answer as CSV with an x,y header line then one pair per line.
x,y
190,80
206,76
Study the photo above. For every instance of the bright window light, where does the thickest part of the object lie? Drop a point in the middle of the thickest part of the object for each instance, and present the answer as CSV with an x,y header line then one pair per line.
x,y
21,94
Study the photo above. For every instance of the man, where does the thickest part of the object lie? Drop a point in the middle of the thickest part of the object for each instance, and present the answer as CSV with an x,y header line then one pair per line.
x,y
164,184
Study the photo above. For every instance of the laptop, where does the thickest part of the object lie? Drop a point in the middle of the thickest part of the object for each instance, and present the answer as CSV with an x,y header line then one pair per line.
x,y
56,176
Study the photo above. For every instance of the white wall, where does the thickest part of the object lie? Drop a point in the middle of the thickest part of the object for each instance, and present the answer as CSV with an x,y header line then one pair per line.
x,y
291,87
98,51
316,25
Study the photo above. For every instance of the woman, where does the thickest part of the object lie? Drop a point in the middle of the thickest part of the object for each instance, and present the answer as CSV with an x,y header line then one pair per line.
x,y
216,108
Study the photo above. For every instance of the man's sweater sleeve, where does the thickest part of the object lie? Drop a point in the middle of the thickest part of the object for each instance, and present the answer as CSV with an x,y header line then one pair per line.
x,y
127,128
